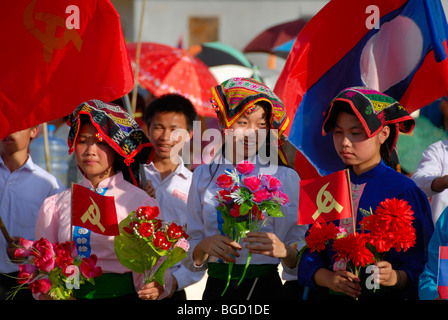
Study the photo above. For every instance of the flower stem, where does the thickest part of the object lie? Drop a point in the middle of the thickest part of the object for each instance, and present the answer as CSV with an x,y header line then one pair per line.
x,y
229,274
249,256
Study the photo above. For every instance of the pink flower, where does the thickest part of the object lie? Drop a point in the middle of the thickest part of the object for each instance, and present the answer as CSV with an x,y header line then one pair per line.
x,y
63,249
25,248
245,167
63,256
273,184
261,195
88,267
252,183
183,244
224,181
44,255
41,285
27,272
280,197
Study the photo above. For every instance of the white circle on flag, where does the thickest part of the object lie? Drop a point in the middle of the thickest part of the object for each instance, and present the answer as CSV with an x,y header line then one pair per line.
x,y
391,54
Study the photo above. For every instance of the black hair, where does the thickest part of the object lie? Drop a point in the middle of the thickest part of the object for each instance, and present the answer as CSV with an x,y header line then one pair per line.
x,y
387,152
118,163
267,109
171,102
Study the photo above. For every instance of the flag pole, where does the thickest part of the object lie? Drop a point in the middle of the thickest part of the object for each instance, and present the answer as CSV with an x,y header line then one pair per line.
x,y
71,221
46,146
5,232
347,174
137,60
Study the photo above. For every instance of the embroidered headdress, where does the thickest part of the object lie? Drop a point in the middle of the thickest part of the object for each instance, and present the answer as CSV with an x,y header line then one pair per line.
x,y
236,96
375,110
118,129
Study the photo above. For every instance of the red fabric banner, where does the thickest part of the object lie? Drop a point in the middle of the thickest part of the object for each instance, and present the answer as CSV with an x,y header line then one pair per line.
x,y
59,54
93,211
325,199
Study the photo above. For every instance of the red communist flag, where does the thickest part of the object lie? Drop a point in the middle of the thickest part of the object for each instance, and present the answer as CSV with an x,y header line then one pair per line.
x,y
325,199
59,54
93,211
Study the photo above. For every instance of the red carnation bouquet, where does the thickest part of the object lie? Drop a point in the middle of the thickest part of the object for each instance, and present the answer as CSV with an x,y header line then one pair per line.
x,y
245,202
389,227
53,269
148,245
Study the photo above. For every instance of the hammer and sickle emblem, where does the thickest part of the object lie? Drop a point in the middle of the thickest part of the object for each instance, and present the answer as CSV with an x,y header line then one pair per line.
x,y
49,39
326,204
93,214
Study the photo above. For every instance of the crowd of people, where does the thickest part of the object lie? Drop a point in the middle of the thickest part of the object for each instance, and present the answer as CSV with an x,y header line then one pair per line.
x,y
365,125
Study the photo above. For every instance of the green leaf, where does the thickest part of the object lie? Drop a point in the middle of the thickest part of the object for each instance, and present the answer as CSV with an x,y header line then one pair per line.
x,y
245,208
175,256
241,229
59,293
274,211
132,252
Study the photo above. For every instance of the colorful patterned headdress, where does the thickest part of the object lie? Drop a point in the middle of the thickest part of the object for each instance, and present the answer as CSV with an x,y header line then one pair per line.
x,y
118,129
236,96
374,109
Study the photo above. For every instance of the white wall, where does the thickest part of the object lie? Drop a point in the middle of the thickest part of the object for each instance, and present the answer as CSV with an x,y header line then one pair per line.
x,y
240,21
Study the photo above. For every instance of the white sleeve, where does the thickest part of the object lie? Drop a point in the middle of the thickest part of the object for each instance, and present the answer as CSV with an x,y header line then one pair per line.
x,y
286,228
430,167
195,222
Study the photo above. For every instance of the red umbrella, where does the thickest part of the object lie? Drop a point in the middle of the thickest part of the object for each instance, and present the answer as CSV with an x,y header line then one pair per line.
x,y
165,69
275,36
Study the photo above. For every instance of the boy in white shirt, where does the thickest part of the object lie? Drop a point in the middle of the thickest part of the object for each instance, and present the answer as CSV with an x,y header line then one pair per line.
x,y
23,188
431,176
169,179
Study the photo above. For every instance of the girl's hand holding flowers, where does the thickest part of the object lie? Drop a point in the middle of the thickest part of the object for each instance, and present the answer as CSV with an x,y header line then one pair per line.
x,y
218,246
268,244
341,281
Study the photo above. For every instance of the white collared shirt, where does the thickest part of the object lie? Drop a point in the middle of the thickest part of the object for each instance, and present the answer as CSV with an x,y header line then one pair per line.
x,y
171,192
203,219
22,193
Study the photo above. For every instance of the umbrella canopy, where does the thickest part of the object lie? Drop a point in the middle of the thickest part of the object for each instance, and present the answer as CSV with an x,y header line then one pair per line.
x,y
275,36
217,54
224,61
283,50
166,69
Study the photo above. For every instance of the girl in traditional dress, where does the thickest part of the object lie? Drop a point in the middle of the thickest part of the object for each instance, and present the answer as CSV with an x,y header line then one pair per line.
x,y
365,125
244,105
109,146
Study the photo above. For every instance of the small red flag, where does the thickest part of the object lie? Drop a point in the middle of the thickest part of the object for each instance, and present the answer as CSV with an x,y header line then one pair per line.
x,y
325,198
61,53
93,211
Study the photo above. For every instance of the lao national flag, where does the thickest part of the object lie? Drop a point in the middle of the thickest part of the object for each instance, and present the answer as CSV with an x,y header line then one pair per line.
x,y
325,198
403,54
57,54
442,282
93,211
